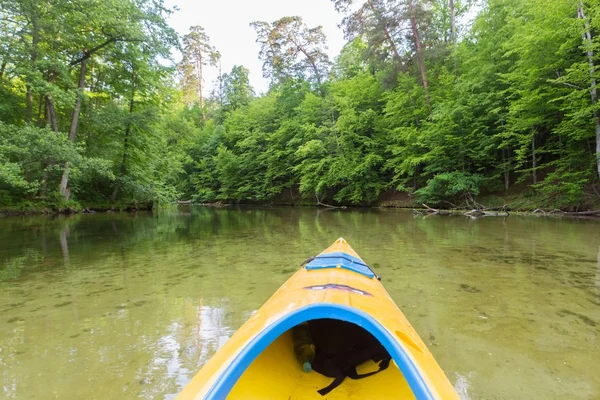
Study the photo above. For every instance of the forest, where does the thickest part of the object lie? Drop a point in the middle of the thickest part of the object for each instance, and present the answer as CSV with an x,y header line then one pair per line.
x,y
451,103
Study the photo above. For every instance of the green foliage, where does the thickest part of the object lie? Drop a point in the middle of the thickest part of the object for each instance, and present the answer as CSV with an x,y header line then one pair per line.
x,y
457,186
505,100
409,104
237,91
120,138
30,156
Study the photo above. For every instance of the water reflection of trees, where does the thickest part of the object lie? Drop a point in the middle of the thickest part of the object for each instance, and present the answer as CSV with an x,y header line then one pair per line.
x,y
48,242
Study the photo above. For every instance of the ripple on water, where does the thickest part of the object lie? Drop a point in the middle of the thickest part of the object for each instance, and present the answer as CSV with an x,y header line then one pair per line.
x,y
584,318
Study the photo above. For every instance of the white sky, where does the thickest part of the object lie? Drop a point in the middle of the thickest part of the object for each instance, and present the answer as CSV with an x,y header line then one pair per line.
x,y
227,24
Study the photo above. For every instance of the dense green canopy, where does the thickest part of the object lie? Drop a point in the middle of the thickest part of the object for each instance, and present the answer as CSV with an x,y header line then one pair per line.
x,y
439,99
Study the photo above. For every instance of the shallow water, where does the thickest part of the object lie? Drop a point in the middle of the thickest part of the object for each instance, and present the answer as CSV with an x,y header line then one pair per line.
x,y
131,305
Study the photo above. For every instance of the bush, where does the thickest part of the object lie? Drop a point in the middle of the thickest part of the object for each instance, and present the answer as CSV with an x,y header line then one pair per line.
x,y
457,187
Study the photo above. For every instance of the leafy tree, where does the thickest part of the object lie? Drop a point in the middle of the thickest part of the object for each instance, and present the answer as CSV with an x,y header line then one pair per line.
x,y
290,48
197,53
237,91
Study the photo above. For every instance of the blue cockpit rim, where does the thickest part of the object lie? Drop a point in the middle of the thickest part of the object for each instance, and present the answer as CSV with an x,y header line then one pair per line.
x,y
261,341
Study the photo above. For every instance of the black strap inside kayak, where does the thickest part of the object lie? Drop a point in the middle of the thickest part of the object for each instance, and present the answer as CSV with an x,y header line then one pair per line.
x,y
353,375
336,382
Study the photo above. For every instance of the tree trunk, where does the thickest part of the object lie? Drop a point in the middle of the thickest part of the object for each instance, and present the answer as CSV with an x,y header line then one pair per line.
x,y
386,32
64,181
122,170
506,162
35,39
28,104
51,114
2,69
452,20
312,63
588,44
419,47
41,106
220,85
199,89
533,160
77,110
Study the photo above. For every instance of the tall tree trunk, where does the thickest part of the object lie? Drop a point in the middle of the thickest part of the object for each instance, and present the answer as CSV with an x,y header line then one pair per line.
x,y
220,85
386,31
51,114
50,120
588,44
41,106
506,162
312,63
452,20
28,104
533,160
77,110
123,168
64,181
419,47
199,77
35,39
6,32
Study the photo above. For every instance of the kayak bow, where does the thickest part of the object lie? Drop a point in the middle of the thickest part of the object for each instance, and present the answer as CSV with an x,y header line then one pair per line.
x,y
258,362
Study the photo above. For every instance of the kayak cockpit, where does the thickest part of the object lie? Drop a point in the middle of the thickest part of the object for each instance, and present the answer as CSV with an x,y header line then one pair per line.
x,y
267,367
277,374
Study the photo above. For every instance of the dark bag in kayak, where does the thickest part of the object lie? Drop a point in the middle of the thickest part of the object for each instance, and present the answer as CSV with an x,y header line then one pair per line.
x,y
341,347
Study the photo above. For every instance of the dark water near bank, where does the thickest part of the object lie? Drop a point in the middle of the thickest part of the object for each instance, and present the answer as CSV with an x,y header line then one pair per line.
x,y
131,305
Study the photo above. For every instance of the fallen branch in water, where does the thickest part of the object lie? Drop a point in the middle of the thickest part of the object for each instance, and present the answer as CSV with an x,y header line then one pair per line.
x,y
595,213
319,203
591,213
475,213
504,208
430,210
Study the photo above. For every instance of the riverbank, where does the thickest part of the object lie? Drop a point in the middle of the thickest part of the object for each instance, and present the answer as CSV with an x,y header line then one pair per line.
x,y
72,207
517,200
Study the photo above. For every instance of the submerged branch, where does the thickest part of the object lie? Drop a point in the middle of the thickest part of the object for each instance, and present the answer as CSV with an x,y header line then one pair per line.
x,y
320,203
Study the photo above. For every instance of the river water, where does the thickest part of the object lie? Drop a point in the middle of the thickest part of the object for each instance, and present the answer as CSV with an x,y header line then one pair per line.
x,y
131,305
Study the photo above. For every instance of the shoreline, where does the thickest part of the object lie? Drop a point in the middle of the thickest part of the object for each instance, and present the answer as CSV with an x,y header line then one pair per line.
x,y
417,211
49,209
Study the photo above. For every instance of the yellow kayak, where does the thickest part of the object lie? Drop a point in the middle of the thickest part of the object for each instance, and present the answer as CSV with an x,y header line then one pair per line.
x,y
356,342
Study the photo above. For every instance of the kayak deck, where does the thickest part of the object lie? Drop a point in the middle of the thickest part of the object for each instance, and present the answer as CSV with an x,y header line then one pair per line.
x,y
276,374
259,362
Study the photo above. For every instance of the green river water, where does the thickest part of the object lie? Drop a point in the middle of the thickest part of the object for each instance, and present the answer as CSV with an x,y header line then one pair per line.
x,y
129,306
